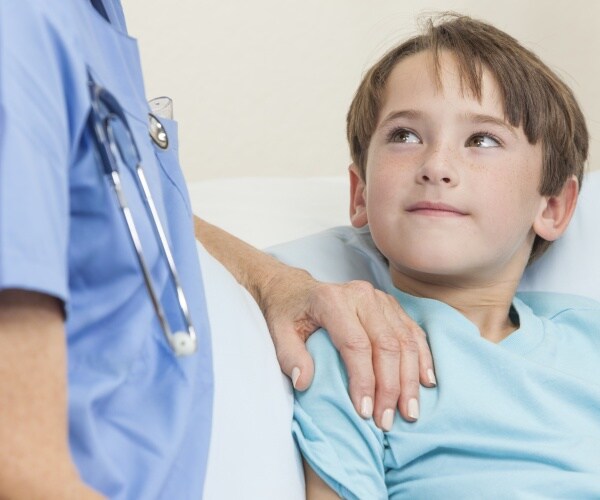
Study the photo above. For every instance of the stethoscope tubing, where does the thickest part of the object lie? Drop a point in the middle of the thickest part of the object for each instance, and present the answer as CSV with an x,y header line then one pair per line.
x,y
166,250
182,343
115,180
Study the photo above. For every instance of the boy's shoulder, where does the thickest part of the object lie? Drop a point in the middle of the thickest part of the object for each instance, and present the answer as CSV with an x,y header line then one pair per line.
x,y
328,361
551,305
571,333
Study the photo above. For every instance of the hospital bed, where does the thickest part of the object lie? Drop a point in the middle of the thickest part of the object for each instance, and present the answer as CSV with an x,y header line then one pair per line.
x,y
252,453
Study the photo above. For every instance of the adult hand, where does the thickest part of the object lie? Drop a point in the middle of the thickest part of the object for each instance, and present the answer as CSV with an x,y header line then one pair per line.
x,y
385,352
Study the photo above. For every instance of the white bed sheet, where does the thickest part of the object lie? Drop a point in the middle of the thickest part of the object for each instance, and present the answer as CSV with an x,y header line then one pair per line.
x,y
252,454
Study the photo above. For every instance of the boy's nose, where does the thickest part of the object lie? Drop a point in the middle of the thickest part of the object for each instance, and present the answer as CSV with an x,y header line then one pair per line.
x,y
438,168
443,179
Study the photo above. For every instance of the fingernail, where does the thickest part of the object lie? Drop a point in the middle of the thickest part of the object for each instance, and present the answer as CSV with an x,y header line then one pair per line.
x,y
413,408
387,420
431,377
295,375
366,407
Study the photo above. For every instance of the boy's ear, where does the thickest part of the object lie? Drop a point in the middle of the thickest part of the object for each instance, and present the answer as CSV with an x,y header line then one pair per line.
x,y
358,199
556,211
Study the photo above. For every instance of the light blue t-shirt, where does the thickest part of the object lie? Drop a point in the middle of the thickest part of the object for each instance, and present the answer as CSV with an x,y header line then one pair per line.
x,y
515,420
139,417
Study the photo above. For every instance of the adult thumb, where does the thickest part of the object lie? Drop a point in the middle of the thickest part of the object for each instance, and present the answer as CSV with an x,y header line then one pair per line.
x,y
294,360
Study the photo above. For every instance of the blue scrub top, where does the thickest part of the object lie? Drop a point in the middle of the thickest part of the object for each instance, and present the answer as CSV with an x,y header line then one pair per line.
x,y
139,417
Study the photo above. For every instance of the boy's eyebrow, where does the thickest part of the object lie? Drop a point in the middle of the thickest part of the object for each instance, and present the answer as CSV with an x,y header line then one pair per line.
x,y
407,113
483,119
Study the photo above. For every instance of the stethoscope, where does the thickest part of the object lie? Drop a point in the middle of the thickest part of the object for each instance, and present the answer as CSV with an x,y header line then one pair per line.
x,y
114,139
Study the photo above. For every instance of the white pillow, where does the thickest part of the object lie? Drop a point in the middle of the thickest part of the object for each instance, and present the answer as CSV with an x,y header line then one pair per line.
x,y
572,264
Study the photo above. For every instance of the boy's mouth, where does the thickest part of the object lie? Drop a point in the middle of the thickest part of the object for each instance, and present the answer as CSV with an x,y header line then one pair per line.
x,y
435,209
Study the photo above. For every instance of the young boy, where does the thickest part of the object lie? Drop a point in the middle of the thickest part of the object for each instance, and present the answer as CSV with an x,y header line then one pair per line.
x,y
468,154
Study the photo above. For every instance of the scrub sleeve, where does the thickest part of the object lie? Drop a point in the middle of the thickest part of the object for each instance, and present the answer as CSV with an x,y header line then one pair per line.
x,y
34,156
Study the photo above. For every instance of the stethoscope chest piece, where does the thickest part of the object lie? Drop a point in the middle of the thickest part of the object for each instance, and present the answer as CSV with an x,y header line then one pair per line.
x,y
157,132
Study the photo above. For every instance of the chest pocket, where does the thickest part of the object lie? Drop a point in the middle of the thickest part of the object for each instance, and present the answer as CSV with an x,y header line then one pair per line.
x,y
173,183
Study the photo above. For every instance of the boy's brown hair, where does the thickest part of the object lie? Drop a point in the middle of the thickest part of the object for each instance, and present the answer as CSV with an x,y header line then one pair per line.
x,y
533,95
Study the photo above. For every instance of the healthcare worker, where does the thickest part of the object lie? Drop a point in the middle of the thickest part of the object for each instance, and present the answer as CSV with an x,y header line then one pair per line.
x,y
100,252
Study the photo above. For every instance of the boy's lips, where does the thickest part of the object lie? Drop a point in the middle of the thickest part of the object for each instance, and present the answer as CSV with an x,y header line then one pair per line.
x,y
435,208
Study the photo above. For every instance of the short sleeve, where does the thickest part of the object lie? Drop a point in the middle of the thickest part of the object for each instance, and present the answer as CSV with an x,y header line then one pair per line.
x,y
34,152
345,450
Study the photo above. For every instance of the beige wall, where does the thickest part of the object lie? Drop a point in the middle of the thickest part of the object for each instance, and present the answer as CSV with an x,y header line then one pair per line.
x,y
261,87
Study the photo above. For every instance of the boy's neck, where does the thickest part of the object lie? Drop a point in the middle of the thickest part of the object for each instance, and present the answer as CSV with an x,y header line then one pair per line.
x,y
486,305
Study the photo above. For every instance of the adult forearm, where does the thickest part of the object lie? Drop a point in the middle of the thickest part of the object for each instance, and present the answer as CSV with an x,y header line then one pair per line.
x,y
253,269
48,488
35,460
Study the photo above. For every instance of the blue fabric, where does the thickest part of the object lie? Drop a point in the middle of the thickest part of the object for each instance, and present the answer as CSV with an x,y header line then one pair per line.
x,y
518,419
139,418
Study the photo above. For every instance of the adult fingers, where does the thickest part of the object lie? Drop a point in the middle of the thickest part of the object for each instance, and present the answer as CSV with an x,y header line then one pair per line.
x,y
355,350
400,357
385,352
385,331
347,333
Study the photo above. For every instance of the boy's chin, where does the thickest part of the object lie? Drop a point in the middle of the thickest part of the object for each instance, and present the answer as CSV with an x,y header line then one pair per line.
x,y
433,271
433,262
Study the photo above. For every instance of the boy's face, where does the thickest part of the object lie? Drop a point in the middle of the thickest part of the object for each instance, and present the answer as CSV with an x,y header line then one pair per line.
x,y
451,187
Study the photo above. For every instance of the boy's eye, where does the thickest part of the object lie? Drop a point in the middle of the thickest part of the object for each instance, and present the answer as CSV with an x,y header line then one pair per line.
x,y
403,135
482,141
